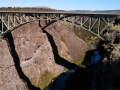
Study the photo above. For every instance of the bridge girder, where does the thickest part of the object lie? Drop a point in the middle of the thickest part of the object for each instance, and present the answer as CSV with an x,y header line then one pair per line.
x,y
94,23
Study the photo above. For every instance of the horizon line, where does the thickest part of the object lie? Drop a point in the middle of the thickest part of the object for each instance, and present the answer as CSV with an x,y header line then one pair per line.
x,y
56,9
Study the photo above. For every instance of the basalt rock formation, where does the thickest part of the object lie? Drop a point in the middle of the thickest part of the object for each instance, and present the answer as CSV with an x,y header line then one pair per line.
x,y
26,54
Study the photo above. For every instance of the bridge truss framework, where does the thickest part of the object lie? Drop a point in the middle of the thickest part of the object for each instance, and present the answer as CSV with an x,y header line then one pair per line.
x,y
93,22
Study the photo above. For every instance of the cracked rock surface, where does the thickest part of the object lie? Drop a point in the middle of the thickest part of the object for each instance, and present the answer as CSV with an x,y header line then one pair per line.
x,y
35,54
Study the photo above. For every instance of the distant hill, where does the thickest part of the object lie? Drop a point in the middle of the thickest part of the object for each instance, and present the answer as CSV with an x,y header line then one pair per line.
x,y
44,8
81,10
26,9
99,11
108,11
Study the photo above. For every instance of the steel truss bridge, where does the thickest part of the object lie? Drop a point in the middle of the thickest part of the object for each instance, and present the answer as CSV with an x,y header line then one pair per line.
x,y
95,23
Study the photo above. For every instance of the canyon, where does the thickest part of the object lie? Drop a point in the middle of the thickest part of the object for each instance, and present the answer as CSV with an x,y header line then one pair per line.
x,y
35,54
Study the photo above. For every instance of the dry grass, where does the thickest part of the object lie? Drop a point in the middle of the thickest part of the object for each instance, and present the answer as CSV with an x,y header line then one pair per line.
x,y
116,27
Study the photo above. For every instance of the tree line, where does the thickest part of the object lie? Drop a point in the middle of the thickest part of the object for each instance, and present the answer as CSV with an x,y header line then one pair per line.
x,y
26,9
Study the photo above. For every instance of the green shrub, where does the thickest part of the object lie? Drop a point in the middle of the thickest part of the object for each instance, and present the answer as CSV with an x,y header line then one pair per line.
x,y
83,34
45,79
79,61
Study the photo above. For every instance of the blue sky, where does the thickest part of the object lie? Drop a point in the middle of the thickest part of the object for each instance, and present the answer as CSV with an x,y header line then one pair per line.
x,y
65,4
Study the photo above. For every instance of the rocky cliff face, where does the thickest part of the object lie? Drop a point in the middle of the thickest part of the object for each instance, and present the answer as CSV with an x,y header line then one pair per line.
x,y
69,46
35,54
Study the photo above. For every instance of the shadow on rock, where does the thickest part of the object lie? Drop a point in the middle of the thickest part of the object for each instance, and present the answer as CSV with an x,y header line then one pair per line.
x,y
100,76
59,60
11,46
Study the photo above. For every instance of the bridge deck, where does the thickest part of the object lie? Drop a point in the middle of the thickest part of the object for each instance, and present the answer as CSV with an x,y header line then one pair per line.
x,y
61,12
94,22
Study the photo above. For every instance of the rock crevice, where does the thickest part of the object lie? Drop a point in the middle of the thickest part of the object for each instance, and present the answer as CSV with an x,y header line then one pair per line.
x,y
35,55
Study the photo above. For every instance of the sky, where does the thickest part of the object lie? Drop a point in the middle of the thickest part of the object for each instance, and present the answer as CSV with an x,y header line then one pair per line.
x,y
65,4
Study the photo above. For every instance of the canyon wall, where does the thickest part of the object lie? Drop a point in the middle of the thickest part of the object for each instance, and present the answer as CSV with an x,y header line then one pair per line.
x,y
35,54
